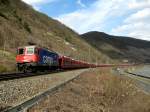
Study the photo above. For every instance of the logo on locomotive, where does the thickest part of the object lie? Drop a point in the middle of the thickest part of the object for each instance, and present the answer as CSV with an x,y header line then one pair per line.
x,y
47,60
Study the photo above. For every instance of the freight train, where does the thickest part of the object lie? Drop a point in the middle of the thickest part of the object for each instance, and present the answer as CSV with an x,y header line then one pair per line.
x,y
34,58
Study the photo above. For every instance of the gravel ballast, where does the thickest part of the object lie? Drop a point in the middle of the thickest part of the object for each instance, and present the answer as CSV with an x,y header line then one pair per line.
x,y
14,92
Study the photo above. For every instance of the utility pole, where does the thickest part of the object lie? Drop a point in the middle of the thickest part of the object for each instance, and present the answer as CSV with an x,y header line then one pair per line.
x,y
96,61
4,47
89,56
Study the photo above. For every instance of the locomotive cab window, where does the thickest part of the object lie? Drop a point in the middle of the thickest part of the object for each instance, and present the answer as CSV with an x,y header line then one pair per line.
x,y
21,51
30,50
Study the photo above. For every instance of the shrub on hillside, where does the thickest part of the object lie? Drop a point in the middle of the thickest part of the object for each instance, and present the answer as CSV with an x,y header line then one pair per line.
x,y
26,26
3,69
3,15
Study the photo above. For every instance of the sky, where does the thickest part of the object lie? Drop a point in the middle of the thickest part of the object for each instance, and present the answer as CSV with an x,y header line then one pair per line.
x,y
115,17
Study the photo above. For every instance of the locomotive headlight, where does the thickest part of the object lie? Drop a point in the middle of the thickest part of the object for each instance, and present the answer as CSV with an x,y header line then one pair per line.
x,y
25,58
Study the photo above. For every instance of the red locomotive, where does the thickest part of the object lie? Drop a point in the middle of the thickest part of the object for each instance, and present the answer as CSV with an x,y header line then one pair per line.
x,y
33,58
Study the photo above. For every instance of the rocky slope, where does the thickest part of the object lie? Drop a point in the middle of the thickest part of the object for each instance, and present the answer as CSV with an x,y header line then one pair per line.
x,y
117,47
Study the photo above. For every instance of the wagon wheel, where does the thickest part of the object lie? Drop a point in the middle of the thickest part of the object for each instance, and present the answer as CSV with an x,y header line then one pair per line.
x,y
25,69
34,70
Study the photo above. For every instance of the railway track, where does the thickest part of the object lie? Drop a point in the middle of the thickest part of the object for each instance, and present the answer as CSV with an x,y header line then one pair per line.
x,y
11,76
23,107
138,75
29,103
143,82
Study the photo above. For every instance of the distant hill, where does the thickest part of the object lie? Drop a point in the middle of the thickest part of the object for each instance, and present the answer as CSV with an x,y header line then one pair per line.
x,y
118,47
21,25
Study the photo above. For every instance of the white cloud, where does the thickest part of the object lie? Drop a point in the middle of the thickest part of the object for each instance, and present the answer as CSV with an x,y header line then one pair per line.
x,y
80,3
32,1
137,4
37,3
136,25
117,17
131,18
141,15
92,18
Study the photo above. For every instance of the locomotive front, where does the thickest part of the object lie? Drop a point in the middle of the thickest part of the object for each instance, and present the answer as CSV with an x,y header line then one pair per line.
x,y
27,57
32,58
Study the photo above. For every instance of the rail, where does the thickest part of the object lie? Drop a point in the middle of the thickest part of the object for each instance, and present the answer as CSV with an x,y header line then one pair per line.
x,y
11,76
138,75
23,107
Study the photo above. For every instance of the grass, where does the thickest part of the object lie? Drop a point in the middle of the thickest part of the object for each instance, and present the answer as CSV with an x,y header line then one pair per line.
x,y
3,15
7,61
3,69
96,91
7,54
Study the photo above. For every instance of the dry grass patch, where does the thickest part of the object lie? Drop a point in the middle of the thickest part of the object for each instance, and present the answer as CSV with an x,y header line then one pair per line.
x,y
96,91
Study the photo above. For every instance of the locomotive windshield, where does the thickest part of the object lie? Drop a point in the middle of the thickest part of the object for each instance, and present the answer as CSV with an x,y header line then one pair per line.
x,y
30,50
21,51
27,50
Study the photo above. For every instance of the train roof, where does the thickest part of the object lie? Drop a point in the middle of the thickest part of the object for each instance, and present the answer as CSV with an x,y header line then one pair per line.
x,y
38,47
27,46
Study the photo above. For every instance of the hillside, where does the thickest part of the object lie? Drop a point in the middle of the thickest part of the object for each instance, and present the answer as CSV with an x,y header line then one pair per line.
x,y
119,48
21,25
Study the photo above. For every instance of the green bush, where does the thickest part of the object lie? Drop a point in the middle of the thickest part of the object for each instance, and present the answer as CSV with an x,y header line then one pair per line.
x,y
3,69
26,26
5,2
3,15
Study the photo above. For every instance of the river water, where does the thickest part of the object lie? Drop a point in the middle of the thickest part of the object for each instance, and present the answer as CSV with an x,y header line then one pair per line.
x,y
144,71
